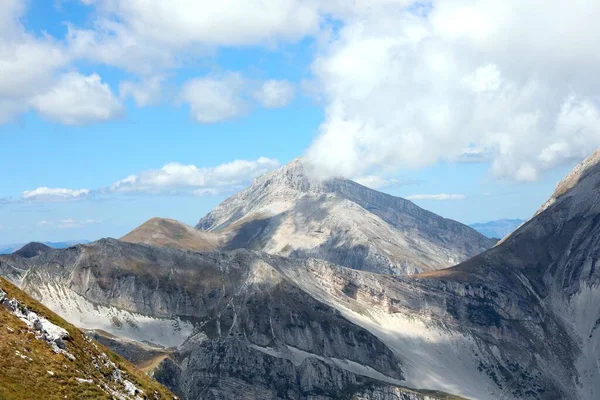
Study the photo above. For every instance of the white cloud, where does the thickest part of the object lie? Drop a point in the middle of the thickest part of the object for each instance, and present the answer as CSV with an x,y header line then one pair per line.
x,y
214,99
46,194
78,99
145,93
27,63
68,223
178,178
375,181
405,90
275,93
145,36
441,196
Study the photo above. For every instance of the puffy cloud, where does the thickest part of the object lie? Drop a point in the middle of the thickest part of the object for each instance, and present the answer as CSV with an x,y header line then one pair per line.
x,y
406,87
178,178
78,99
214,99
172,178
441,196
143,36
31,77
46,194
145,93
275,93
27,63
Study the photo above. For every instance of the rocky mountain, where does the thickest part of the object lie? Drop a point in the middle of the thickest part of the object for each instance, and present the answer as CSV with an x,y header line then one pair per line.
x,y
43,356
232,325
286,212
497,229
519,321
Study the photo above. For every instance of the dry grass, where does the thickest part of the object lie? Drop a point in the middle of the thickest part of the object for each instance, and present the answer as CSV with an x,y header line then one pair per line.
x,y
171,233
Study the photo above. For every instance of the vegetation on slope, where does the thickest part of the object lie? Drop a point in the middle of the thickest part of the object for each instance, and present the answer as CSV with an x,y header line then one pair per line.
x,y
31,369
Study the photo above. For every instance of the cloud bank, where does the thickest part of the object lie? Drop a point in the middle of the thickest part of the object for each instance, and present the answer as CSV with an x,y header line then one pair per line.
x,y
406,86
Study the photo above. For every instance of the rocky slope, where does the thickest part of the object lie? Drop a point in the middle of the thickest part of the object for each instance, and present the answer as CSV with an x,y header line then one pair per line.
x,y
288,213
42,356
237,326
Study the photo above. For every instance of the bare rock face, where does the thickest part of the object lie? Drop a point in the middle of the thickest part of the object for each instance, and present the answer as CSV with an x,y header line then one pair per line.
x,y
286,212
242,310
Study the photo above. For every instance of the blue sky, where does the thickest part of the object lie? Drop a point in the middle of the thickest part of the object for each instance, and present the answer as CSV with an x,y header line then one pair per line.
x,y
94,92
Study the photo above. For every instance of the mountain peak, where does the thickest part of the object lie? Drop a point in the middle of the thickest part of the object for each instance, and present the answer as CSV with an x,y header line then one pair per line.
x,y
291,212
293,175
33,249
171,233
578,174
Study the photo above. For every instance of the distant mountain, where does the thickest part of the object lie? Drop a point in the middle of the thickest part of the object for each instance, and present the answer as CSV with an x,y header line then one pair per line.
x,y
44,357
286,212
10,248
497,229
33,249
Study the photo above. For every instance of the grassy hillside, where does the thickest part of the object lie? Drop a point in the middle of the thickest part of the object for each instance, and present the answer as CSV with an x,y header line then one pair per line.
x,y
32,370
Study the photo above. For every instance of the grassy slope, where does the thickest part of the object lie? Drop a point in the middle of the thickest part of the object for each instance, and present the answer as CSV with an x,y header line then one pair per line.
x,y
171,233
22,378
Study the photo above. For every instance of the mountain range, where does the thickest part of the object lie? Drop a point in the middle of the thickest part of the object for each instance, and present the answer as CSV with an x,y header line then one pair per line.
x,y
301,289
10,248
498,228
289,213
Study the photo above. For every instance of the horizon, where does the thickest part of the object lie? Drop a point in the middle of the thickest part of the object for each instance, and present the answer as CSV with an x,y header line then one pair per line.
x,y
106,124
